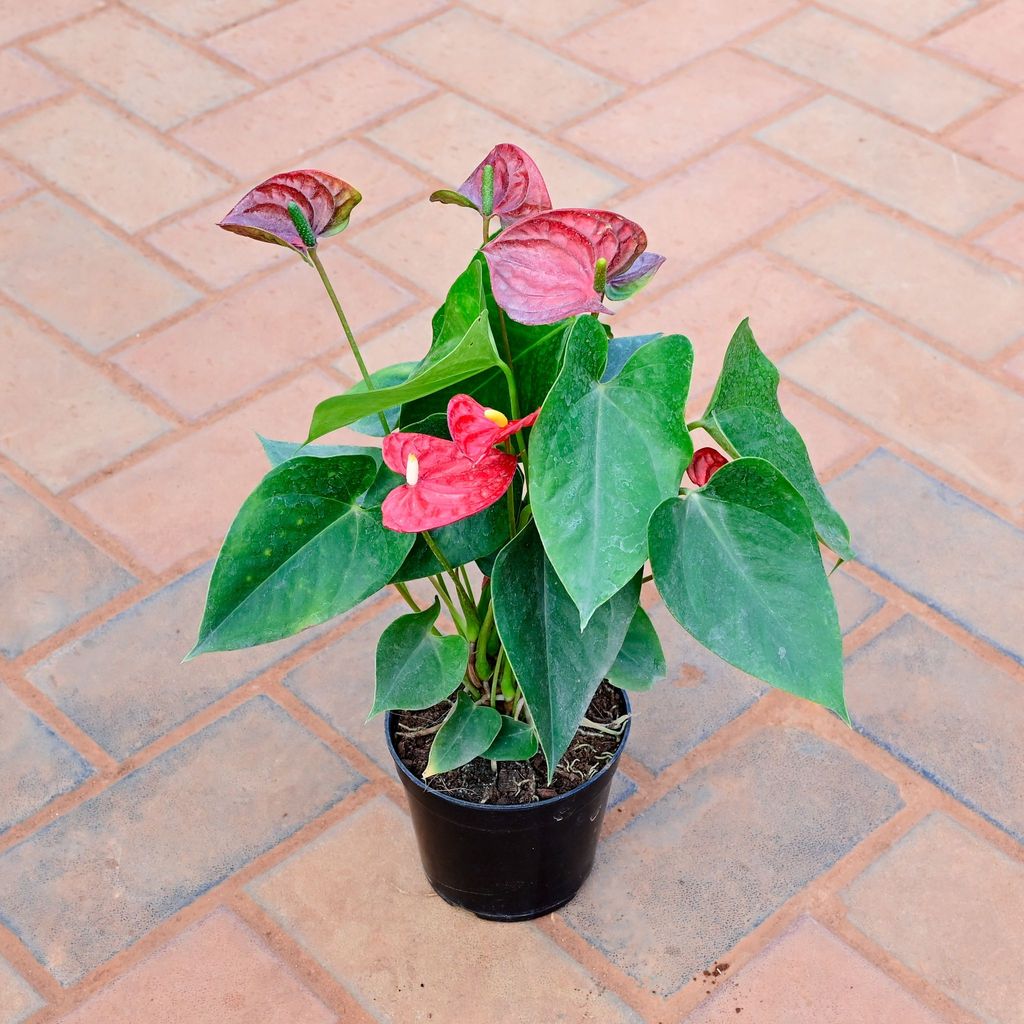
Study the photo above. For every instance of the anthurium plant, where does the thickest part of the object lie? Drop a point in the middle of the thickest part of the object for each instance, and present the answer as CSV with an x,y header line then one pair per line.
x,y
534,443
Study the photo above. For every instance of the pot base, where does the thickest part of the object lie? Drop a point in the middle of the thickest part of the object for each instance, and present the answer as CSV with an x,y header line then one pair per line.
x,y
484,915
508,862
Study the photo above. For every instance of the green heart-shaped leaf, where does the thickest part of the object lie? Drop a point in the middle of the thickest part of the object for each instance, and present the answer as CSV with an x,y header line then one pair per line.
x,y
744,415
463,347
641,662
738,565
620,349
467,732
517,741
415,667
300,551
558,666
604,455
278,452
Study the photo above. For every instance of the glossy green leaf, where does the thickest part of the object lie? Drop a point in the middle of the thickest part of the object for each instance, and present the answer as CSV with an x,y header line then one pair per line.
x,y
278,452
387,377
641,662
467,732
463,347
620,349
517,741
415,667
738,565
604,456
744,414
558,667
536,359
300,551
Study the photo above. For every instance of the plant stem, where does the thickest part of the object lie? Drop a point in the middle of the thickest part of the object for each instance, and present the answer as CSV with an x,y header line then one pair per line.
x,y
487,230
408,598
442,591
717,434
464,595
315,260
499,667
483,666
510,377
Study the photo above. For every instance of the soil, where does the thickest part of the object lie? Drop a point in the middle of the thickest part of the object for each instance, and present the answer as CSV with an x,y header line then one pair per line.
x,y
514,782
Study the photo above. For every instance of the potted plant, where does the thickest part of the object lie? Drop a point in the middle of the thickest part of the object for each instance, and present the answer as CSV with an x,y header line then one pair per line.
x,y
536,471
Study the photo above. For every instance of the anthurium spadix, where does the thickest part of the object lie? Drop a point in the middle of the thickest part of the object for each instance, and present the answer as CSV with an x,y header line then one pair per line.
x,y
476,429
517,189
326,203
562,263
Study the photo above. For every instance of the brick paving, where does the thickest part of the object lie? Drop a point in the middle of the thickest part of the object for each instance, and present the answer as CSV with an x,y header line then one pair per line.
x,y
224,841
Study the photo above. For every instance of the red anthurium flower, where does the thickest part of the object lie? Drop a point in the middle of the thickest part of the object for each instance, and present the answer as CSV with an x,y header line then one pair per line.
x,y
262,213
705,464
477,429
545,268
442,485
519,189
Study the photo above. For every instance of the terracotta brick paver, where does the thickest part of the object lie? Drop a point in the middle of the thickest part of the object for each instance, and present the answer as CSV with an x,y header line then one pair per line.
x,y
224,840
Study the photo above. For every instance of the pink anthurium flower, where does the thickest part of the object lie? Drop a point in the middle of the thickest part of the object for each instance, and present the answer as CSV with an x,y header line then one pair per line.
x,y
561,262
262,213
477,429
519,189
706,462
442,485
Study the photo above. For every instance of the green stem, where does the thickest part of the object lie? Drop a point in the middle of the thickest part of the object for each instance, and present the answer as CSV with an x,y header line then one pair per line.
x,y
315,260
407,597
442,591
499,664
510,377
464,596
483,665
508,682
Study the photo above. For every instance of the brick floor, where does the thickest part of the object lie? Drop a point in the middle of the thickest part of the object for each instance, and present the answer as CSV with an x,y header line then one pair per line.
x,y
224,841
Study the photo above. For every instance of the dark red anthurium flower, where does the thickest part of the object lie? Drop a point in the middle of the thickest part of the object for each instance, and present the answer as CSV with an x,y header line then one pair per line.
x,y
546,267
477,429
262,213
706,462
519,189
442,484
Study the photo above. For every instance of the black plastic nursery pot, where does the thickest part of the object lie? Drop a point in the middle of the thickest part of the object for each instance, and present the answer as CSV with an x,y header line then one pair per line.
x,y
508,862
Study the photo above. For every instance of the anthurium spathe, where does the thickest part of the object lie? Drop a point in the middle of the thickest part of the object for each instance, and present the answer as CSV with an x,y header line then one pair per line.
x,y
704,464
477,429
262,213
517,189
561,263
442,484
